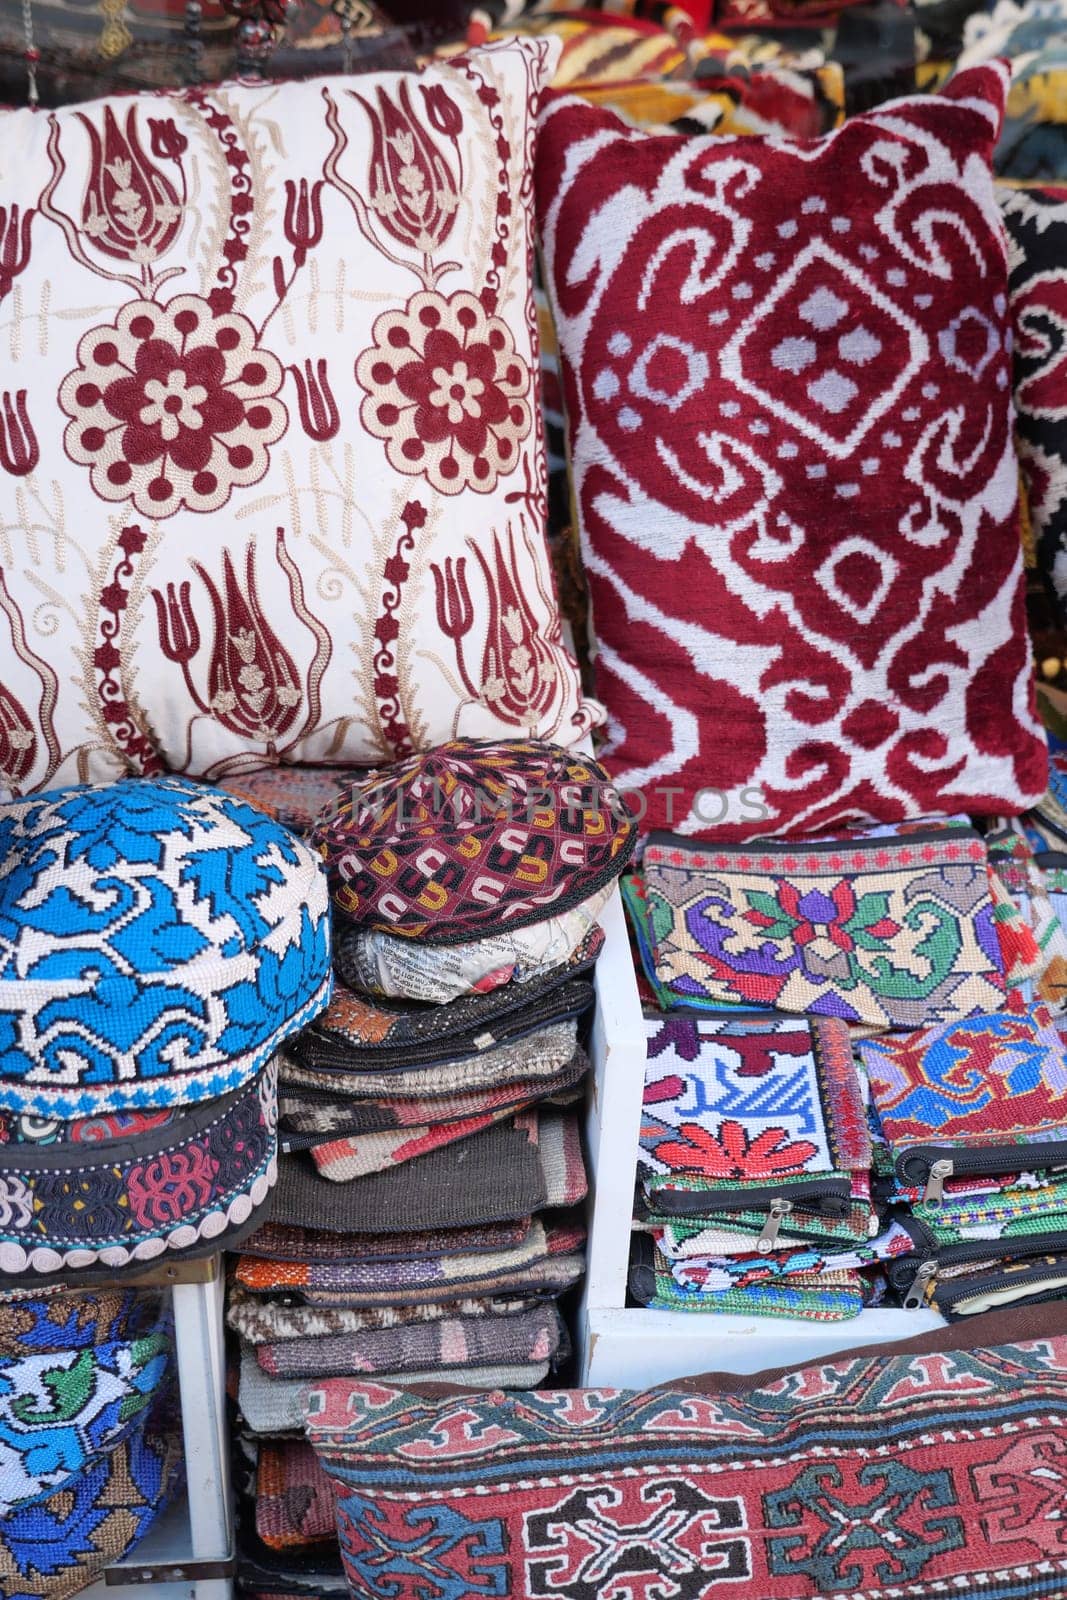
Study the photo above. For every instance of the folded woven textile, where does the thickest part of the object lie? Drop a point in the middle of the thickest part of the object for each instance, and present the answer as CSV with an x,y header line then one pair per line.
x,y
355,1156
189,1188
63,1411
559,1137
161,940
310,1115
379,1029
537,1057
892,932
261,1320
294,1497
548,1262
988,1094
275,1241
456,1342
382,964
58,1546
756,1471
751,1110
379,1279
547,1278
494,1176
474,837
275,1405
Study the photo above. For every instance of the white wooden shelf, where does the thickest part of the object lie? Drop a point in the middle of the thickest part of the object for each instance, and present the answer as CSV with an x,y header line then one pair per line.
x,y
635,1347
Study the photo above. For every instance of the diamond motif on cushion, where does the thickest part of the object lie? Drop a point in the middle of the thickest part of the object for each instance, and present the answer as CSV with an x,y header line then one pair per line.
x,y
824,318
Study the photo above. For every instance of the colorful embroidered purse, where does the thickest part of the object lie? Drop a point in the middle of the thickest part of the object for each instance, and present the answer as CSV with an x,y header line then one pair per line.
x,y
986,1094
751,1114
892,932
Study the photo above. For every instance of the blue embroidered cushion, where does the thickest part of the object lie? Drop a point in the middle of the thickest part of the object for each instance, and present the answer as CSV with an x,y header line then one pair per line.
x,y
158,940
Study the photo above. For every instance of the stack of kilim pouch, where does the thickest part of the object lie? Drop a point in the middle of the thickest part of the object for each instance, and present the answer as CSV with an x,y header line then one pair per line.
x,y
158,941
755,1158
971,1158
424,1224
91,1451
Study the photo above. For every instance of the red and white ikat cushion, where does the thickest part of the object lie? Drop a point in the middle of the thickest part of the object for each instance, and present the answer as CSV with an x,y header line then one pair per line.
x,y
787,377
272,481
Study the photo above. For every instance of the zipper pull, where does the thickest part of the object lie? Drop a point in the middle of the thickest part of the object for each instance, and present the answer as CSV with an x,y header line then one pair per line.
x,y
771,1228
916,1295
934,1193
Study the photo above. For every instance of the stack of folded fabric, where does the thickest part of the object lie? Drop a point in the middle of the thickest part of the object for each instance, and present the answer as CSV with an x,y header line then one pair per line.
x,y
424,1224
158,941
971,1119
756,1192
755,1152
91,1452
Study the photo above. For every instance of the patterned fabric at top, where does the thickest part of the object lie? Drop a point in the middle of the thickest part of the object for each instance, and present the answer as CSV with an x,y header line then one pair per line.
x,y
1036,220
89,50
987,1093
1032,35
474,838
114,1205
771,1105
892,932
773,1485
158,940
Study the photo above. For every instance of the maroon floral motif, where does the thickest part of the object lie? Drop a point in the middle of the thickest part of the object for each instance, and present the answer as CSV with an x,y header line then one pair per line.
x,y
166,142
319,416
19,738
14,245
254,688
172,1186
19,452
522,674
387,631
447,391
521,677
413,189
18,741
134,743
241,200
303,217
173,406
131,211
